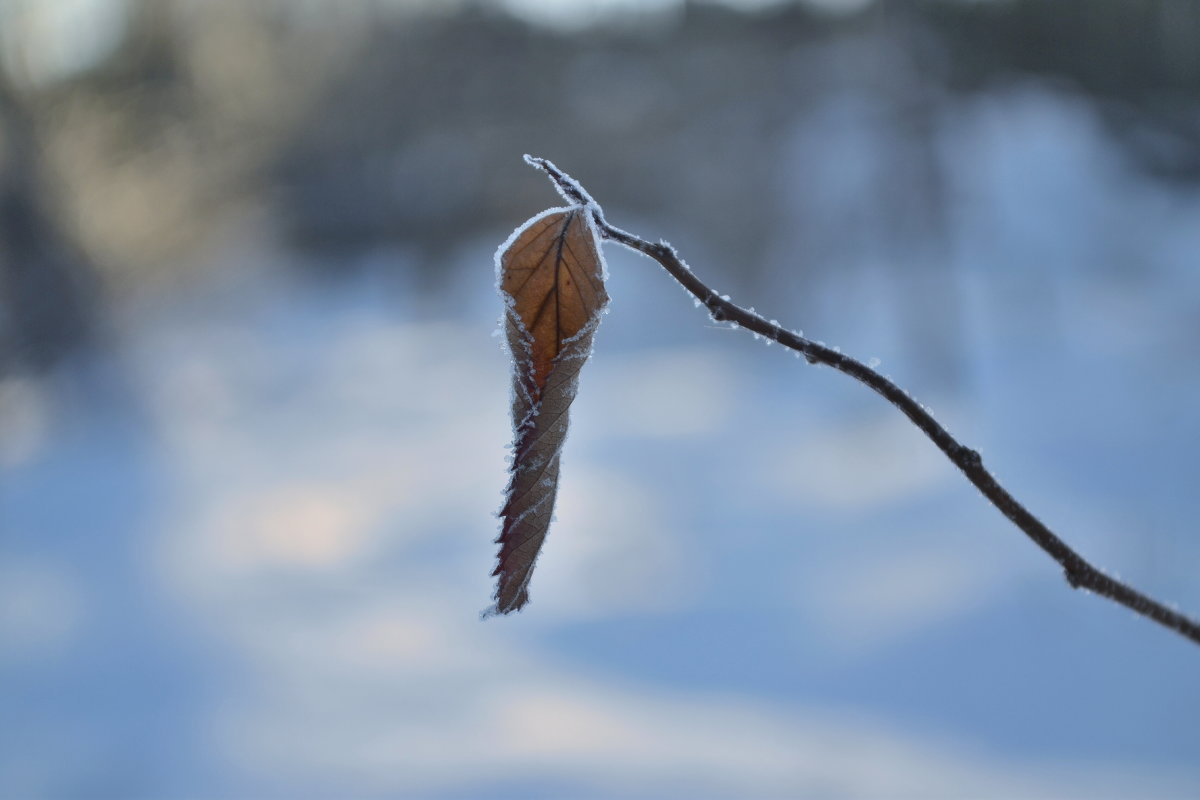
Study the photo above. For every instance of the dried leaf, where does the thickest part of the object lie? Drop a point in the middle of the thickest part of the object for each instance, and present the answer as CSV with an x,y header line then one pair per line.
x,y
552,280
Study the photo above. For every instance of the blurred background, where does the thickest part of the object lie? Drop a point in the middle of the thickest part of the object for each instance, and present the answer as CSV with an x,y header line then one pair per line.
x,y
253,415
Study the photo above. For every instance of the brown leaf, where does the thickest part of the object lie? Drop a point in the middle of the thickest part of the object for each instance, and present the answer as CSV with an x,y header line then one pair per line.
x,y
551,278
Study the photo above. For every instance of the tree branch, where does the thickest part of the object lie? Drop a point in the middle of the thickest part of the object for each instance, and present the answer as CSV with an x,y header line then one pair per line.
x,y
1080,574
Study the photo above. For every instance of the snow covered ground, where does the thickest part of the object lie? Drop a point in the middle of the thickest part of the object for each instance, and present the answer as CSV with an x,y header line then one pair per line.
x,y
246,555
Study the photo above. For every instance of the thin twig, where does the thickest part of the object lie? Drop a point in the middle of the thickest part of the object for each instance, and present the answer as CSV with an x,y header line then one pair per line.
x,y
1077,570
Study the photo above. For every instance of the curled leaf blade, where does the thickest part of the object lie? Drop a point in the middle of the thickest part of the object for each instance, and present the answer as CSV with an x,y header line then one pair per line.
x,y
552,280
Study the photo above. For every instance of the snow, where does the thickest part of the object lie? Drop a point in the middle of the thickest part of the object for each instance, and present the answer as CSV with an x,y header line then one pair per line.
x,y
256,573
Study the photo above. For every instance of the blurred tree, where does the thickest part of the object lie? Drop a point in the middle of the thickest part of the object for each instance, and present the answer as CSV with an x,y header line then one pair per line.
x,y
356,127
1136,60
48,291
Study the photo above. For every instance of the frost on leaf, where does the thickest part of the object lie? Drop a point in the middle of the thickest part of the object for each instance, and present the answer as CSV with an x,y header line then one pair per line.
x,y
551,278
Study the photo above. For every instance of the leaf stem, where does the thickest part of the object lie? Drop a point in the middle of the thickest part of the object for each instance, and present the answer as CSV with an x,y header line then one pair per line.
x,y
1080,573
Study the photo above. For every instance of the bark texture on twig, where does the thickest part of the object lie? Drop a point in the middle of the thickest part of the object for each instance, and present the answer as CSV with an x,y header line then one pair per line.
x,y
1080,574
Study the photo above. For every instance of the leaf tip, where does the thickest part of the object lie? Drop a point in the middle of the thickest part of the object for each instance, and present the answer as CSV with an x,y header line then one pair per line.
x,y
502,607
